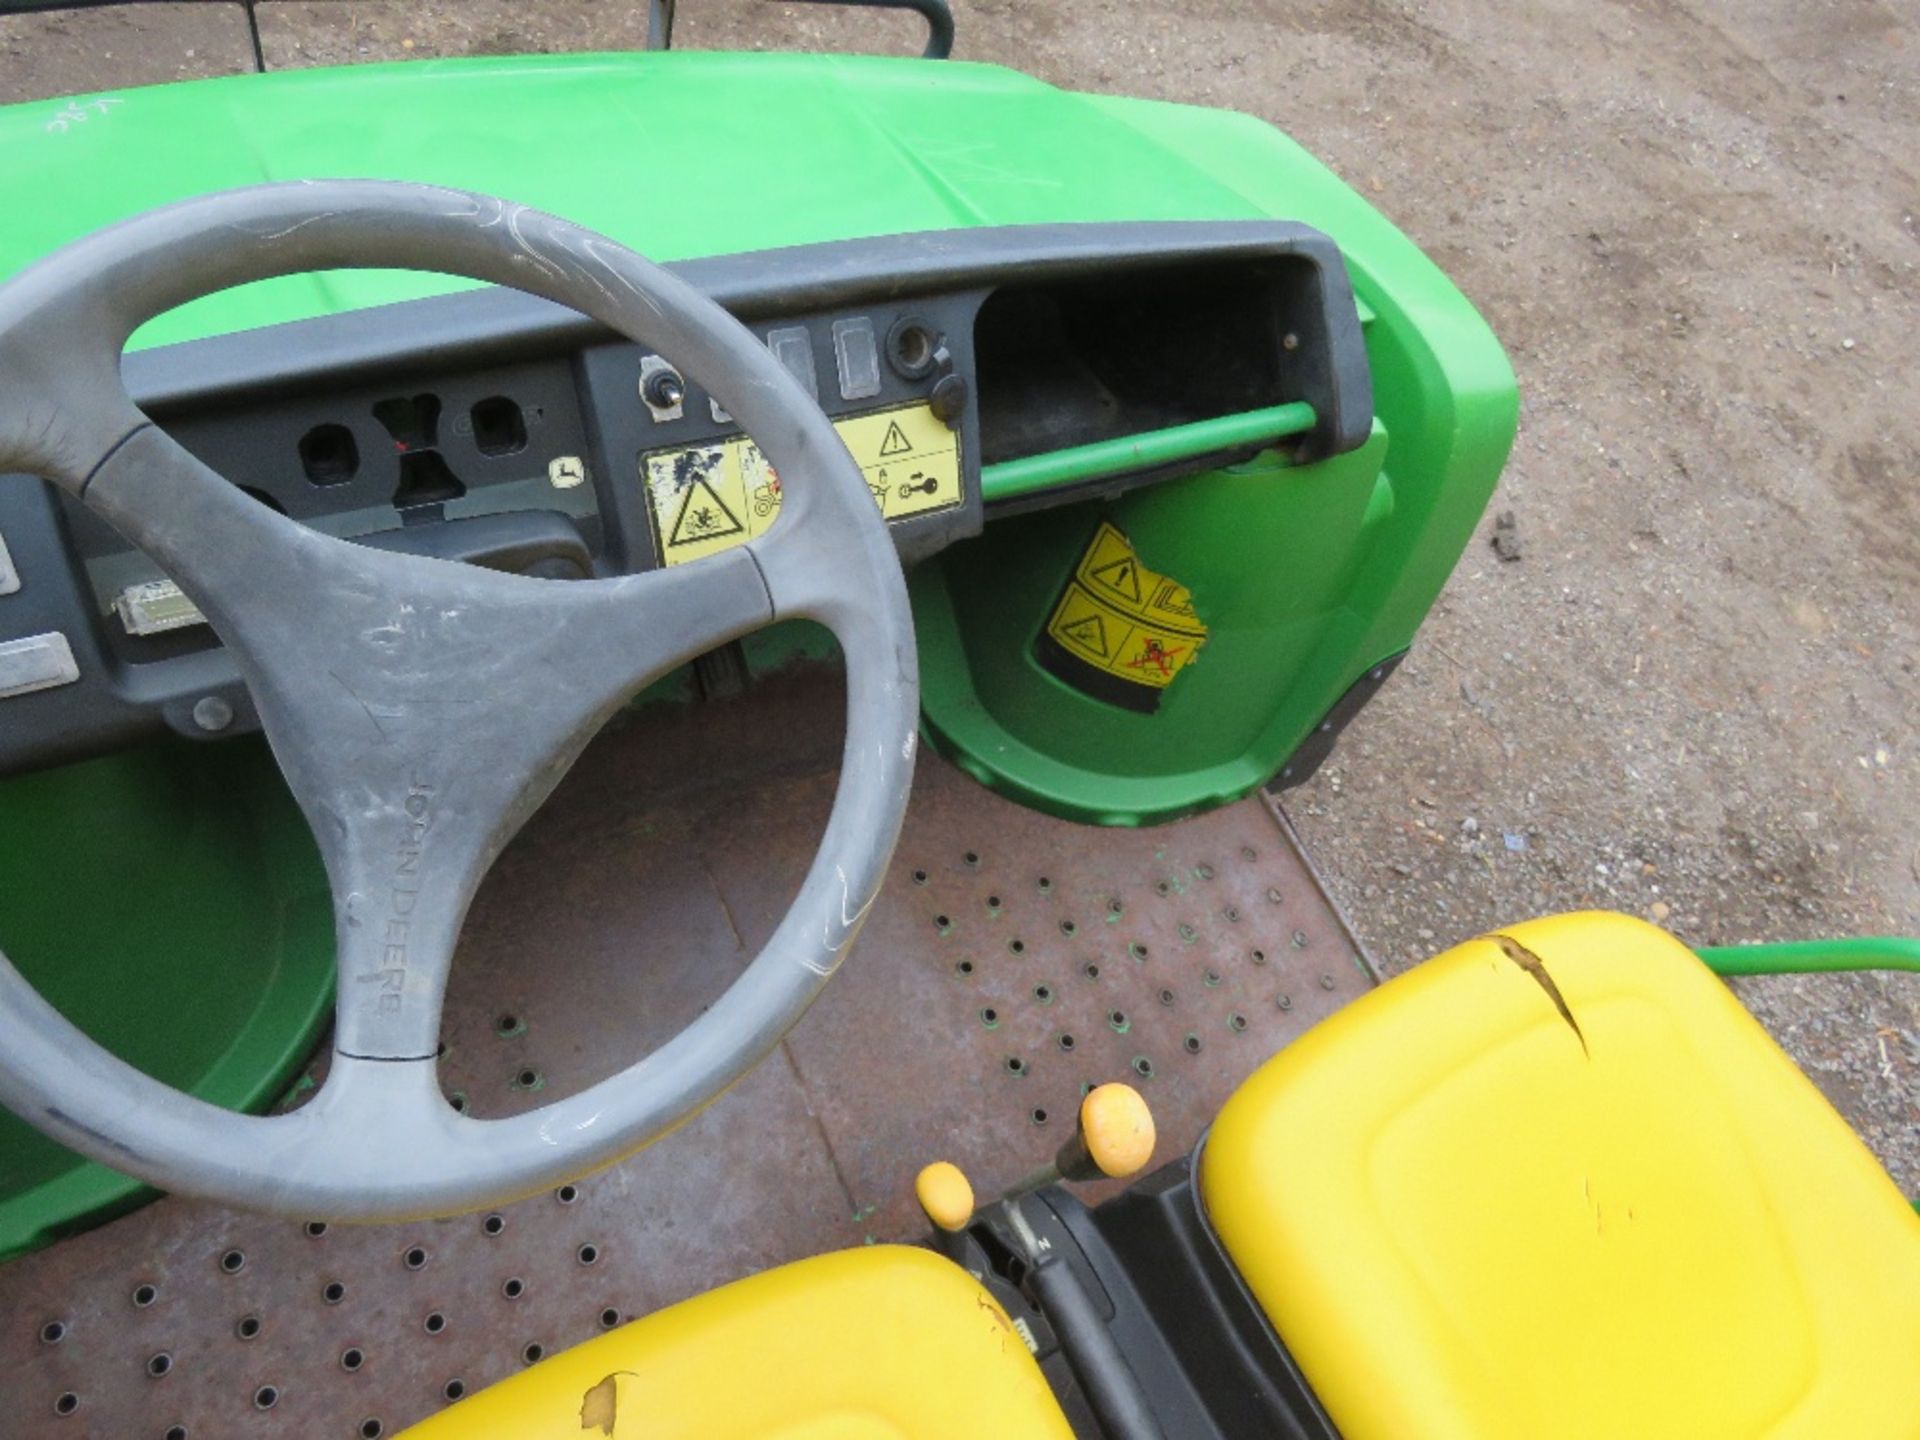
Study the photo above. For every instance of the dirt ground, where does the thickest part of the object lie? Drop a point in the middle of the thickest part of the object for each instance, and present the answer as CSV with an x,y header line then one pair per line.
x,y
1696,225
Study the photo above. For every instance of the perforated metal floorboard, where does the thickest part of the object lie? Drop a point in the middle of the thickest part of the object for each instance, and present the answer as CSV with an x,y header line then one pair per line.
x,y
1012,959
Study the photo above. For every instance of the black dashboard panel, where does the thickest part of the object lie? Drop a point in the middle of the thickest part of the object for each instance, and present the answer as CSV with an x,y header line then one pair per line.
x,y
493,427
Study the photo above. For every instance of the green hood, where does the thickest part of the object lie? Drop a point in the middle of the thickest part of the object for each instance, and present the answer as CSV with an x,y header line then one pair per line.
x,y
676,155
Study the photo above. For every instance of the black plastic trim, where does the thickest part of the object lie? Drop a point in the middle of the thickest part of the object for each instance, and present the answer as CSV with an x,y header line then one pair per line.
x,y
1228,1355
1312,752
219,395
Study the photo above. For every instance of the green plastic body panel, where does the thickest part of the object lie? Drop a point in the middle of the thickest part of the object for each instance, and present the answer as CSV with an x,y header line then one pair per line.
x,y
170,902
184,922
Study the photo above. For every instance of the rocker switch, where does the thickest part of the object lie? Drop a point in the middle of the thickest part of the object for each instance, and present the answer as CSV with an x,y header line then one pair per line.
x,y
793,348
38,662
856,354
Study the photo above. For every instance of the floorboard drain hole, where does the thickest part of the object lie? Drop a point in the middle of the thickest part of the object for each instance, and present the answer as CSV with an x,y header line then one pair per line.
x,y
416,1257
159,1365
1118,1020
514,1287
965,967
435,1322
533,1352
1137,950
1090,970
1069,929
508,1026
493,1224
1143,1067
247,1327
942,923
53,1332
1236,1022
1016,1066
1066,1043
1212,978
567,1194
529,1079
371,1429
990,1017
266,1397
1044,885
334,1292
919,877
66,1404
1018,947
587,1254
316,1228
234,1261
145,1295
1166,997
1043,993
1192,1042
459,1102
972,859
1259,957
352,1358
1038,1115
176,1432
609,1318
454,1389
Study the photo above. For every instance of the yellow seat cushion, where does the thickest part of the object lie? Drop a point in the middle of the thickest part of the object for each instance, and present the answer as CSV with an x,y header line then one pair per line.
x,y
884,1343
1466,1219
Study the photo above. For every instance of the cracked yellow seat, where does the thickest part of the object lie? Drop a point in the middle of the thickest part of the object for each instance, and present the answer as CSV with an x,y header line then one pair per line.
x,y
883,1343
1466,1218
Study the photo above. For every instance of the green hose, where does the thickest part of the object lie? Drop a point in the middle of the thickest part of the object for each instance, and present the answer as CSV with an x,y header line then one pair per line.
x,y
1815,957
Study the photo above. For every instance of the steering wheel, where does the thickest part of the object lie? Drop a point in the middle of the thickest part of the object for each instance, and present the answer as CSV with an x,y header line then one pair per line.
x,y
421,710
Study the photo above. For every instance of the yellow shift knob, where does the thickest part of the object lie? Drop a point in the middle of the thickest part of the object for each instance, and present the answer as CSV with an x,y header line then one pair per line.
x,y
1117,1129
945,1194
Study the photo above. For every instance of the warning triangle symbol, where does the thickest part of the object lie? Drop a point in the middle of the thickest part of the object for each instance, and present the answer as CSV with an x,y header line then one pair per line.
x,y
703,516
1122,577
896,442
1088,633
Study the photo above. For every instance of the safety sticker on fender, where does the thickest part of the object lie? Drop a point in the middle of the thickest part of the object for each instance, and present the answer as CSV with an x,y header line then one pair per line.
x,y
1120,632
705,498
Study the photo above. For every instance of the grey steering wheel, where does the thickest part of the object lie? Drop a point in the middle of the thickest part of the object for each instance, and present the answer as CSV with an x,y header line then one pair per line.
x,y
421,710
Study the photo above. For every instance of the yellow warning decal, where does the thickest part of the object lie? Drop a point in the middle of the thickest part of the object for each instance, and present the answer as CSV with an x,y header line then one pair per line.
x,y
705,498
1121,618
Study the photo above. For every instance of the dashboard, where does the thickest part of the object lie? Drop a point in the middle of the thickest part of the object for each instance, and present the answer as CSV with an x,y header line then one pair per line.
x,y
494,428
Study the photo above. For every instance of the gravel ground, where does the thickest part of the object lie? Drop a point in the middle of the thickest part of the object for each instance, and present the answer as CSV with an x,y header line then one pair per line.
x,y
1696,225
